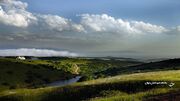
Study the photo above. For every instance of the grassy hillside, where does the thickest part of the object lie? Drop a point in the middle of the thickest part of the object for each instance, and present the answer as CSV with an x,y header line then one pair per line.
x,y
118,88
35,73
25,80
172,64
89,66
22,74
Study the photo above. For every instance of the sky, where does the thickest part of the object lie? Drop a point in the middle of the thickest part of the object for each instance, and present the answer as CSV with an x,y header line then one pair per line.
x,y
123,28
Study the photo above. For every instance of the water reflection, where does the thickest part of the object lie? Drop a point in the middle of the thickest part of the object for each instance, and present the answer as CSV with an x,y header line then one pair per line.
x,y
65,82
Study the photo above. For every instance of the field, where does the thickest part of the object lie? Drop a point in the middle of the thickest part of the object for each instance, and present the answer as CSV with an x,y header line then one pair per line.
x,y
102,80
36,73
118,88
23,74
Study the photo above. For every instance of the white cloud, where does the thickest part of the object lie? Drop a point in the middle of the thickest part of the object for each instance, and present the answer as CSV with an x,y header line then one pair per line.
x,y
93,32
147,27
34,52
104,23
14,13
14,4
178,28
55,22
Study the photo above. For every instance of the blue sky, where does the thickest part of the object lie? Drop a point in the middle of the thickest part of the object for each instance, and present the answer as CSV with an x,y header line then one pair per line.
x,y
126,28
165,12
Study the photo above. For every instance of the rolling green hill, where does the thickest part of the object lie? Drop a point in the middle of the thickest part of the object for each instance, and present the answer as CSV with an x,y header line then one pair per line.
x,y
36,73
108,80
172,64
24,74
129,87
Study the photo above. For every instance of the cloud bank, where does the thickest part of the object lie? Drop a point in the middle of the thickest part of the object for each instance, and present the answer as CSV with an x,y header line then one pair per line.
x,y
92,32
35,52
107,24
14,13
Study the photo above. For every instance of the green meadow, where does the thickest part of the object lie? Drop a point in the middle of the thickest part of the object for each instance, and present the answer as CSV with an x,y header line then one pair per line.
x,y
26,80
119,88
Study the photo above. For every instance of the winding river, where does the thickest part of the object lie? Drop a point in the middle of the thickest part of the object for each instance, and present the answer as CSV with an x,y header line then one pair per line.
x,y
65,82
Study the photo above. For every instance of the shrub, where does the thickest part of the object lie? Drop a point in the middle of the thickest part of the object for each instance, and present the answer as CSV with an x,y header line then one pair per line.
x,y
10,72
46,80
5,84
13,87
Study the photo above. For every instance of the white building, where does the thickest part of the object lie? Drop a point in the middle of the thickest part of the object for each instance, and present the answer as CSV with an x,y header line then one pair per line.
x,y
21,58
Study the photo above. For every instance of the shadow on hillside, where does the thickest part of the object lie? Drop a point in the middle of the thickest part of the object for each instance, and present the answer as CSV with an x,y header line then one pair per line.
x,y
171,96
171,64
84,92
90,91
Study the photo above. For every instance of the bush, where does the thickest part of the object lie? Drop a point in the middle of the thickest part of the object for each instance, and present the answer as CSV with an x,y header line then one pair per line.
x,y
10,72
85,78
46,80
13,87
29,80
5,84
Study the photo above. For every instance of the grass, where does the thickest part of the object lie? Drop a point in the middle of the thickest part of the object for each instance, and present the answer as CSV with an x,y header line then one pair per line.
x,y
23,74
24,80
172,64
35,73
118,88
132,97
